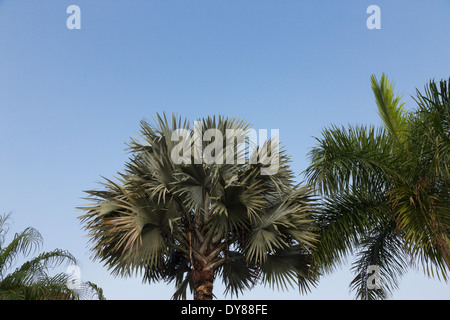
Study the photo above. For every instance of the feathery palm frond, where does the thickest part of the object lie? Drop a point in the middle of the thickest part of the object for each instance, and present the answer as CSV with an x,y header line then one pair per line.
x,y
31,281
396,176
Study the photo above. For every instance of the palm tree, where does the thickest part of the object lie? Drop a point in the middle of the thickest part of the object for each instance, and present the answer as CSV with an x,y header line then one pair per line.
x,y
187,221
386,190
31,280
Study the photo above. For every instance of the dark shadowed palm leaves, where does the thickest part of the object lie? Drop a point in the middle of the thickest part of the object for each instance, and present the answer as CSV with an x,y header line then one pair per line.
x,y
387,190
190,223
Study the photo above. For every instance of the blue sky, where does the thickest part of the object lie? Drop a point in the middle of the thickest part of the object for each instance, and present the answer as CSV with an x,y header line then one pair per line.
x,y
70,99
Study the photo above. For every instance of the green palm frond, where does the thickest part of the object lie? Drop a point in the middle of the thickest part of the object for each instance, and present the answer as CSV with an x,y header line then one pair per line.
x,y
345,219
237,274
288,268
23,243
424,219
384,249
31,280
353,156
391,111
432,129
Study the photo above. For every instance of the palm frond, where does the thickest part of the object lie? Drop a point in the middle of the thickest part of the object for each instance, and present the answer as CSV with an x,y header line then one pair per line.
x,y
391,111
24,243
345,218
355,156
382,248
237,274
289,268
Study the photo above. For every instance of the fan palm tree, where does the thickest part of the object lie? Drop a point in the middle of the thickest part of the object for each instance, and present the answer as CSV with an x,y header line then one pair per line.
x,y
186,221
386,190
31,281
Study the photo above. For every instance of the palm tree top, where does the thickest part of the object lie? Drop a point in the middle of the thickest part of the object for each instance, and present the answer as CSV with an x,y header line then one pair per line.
x,y
189,222
386,189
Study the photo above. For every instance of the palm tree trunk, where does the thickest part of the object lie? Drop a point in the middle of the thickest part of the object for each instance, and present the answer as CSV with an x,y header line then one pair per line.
x,y
203,284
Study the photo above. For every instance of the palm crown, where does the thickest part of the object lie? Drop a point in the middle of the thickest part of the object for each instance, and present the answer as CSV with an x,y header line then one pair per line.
x,y
189,223
386,190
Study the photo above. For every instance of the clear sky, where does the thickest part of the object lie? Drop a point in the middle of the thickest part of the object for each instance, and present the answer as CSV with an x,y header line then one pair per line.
x,y
70,99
